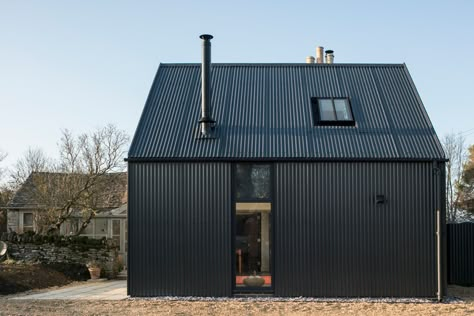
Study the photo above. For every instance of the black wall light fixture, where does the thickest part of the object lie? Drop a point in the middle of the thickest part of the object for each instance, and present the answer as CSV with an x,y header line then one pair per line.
x,y
380,199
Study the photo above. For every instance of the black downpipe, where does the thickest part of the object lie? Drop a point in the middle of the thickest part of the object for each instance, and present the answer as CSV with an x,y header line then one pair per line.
x,y
439,230
206,121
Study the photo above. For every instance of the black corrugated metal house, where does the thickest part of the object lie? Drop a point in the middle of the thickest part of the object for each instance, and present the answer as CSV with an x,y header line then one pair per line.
x,y
323,179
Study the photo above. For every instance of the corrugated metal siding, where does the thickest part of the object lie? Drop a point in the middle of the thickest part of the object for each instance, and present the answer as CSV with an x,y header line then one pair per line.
x,y
264,111
179,229
461,253
331,239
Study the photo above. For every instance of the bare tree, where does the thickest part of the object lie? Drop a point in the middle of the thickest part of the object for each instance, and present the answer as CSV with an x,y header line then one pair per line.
x,y
3,155
78,183
34,160
81,180
5,195
466,183
455,150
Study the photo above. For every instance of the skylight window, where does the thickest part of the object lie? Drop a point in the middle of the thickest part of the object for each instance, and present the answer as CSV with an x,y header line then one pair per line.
x,y
332,111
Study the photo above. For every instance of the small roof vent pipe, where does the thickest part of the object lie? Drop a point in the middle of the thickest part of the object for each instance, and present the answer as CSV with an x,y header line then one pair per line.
x,y
206,122
329,56
310,60
319,54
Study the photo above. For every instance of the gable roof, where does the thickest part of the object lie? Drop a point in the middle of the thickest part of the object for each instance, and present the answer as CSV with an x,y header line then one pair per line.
x,y
114,197
263,111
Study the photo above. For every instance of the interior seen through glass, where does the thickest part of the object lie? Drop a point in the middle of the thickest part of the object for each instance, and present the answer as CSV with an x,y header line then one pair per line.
x,y
253,245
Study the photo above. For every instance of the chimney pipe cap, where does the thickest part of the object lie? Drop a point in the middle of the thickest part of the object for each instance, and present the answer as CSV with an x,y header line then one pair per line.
x,y
206,37
329,51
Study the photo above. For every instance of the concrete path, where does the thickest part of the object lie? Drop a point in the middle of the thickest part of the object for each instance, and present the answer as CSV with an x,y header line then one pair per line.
x,y
106,290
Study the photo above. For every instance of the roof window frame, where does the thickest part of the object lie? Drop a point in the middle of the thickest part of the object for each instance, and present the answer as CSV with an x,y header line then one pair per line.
x,y
317,121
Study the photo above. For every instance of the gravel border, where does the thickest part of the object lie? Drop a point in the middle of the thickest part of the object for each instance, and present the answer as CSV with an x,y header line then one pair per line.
x,y
446,300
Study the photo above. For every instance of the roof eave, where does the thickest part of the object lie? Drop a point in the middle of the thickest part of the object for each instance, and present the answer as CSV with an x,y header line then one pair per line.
x,y
280,159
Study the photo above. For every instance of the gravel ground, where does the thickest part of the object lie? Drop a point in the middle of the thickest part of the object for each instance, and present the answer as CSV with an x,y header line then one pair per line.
x,y
460,303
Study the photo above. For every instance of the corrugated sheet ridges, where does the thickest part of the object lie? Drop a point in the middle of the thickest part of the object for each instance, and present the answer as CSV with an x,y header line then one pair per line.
x,y
460,253
333,240
180,232
264,111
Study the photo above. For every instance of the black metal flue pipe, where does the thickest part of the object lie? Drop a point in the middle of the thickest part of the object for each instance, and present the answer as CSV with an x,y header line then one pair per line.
x,y
206,120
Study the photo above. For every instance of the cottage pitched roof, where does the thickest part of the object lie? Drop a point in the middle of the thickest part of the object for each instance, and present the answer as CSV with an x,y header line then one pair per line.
x,y
114,196
263,111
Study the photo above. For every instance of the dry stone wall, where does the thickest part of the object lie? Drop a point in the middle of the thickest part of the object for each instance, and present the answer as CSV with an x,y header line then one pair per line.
x,y
28,248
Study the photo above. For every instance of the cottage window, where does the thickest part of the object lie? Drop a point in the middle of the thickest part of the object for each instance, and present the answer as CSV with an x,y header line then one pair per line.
x,y
70,227
28,222
97,228
89,230
100,227
332,111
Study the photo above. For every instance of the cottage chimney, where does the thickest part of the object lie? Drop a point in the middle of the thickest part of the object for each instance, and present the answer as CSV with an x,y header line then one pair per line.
x,y
319,54
206,122
310,60
329,56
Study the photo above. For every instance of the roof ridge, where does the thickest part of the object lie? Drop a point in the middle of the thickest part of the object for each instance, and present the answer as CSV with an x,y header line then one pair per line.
x,y
397,65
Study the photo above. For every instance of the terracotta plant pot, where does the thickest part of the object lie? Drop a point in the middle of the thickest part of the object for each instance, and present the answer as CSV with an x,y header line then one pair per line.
x,y
94,272
254,281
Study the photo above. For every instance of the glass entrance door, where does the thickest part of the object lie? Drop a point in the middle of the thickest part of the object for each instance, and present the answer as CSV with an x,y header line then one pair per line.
x,y
253,228
119,235
253,245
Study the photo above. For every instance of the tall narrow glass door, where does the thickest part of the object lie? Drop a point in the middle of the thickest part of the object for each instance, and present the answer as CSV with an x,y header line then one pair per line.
x,y
252,227
253,245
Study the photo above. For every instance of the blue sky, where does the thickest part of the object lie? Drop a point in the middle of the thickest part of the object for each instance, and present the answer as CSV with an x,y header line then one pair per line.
x,y
83,64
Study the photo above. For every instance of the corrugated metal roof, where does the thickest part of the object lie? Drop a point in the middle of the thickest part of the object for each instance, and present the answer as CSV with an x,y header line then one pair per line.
x,y
263,111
